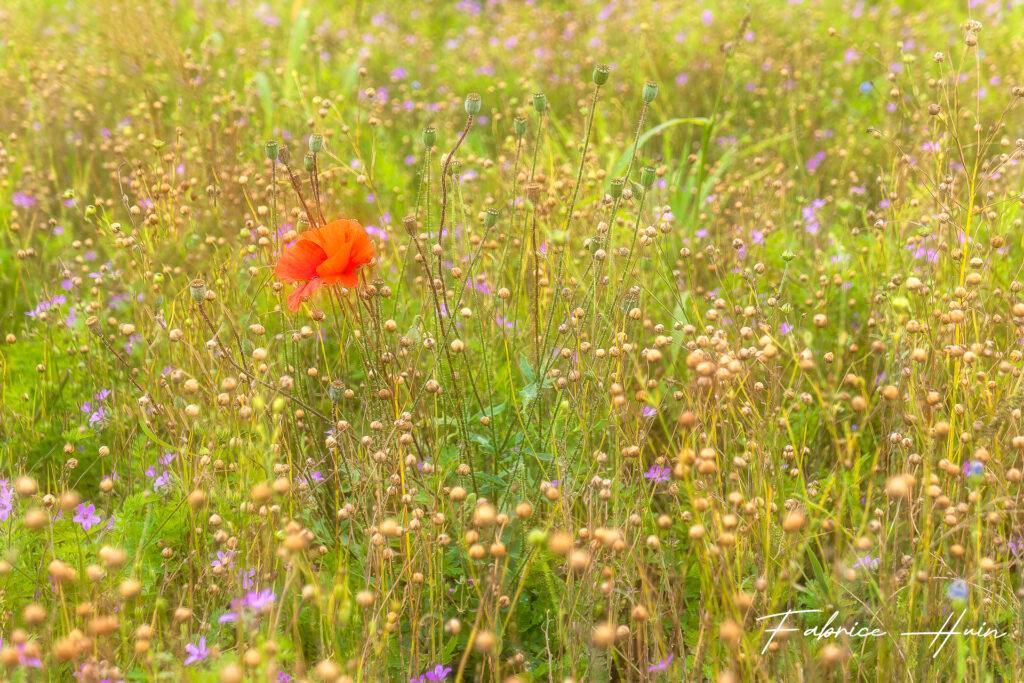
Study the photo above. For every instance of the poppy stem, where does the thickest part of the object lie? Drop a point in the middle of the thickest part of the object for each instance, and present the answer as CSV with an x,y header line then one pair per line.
x,y
444,182
583,157
274,216
297,186
314,181
216,335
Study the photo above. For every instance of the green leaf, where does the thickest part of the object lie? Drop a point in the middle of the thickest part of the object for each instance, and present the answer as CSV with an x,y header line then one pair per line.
x,y
527,369
623,161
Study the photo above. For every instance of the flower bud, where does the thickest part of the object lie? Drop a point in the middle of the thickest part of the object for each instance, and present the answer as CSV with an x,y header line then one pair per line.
x,y
649,92
519,125
197,288
540,102
90,211
601,73
429,137
490,217
283,155
647,177
616,187
472,104
316,143
271,149
454,167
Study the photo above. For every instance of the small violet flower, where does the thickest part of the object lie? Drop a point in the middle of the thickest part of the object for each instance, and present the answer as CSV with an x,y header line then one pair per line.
x,y
196,653
87,516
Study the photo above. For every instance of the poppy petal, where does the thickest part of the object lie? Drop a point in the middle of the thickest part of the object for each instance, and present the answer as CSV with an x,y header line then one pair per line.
x,y
349,279
307,289
362,249
337,262
300,261
334,236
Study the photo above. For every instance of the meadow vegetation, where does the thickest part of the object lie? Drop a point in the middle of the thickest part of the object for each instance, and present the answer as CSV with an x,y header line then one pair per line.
x,y
663,317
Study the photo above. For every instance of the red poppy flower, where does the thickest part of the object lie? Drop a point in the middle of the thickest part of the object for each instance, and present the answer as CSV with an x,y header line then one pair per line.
x,y
324,256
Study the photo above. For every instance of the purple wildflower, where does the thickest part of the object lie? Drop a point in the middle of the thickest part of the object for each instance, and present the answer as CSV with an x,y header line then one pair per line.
x,y
660,666
28,661
23,200
258,600
225,560
196,653
87,516
6,501
657,473
867,562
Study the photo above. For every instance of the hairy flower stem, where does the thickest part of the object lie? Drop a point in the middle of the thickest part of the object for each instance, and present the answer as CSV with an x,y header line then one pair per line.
x,y
119,357
536,294
297,186
274,216
444,173
583,157
444,189
458,403
314,182
512,209
611,218
536,145
216,336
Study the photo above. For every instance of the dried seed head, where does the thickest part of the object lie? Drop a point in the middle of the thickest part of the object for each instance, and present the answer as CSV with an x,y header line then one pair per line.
x,y
533,192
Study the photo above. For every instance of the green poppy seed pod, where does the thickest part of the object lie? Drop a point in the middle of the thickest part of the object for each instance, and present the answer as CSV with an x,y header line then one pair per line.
x,y
540,102
454,167
316,143
650,91
519,125
647,177
615,190
197,288
429,137
283,155
93,323
90,211
601,73
271,149
308,160
336,391
473,104
490,217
